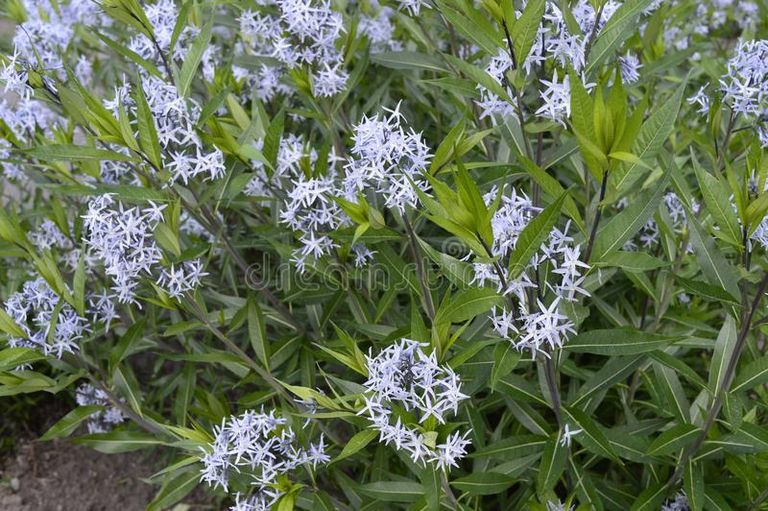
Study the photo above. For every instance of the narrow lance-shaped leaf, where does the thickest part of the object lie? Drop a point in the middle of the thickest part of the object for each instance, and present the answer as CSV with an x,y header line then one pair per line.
x,y
467,304
673,439
257,332
553,461
531,238
618,341
717,199
653,133
724,346
526,28
614,234
754,374
194,57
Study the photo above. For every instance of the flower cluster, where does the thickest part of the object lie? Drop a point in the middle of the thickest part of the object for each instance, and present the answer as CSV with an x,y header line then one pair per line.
x,y
745,85
406,388
295,33
53,332
307,207
386,159
678,503
163,16
262,447
537,323
103,420
557,44
122,238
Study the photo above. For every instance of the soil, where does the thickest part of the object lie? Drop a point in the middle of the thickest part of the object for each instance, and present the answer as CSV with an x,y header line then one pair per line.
x,y
61,476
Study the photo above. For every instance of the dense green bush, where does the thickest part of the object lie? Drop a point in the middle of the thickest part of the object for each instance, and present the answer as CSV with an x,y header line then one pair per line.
x,y
422,255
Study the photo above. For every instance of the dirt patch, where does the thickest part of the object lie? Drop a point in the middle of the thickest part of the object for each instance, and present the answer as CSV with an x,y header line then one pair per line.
x,y
58,476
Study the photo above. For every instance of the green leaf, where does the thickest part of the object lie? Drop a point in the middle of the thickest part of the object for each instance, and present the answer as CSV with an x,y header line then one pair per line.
x,y
356,443
476,29
11,358
520,389
754,374
615,369
461,273
272,138
714,265
618,341
674,439
174,489
409,60
653,133
467,304
531,238
446,150
717,198
78,285
750,437
135,57
483,483
636,262
480,76
616,30
591,437
194,57
69,423
623,226
693,482
552,465
724,346
257,332
673,392
119,441
167,238
9,326
708,291
55,152
512,447
148,140
393,491
650,499
505,359
526,28
552,187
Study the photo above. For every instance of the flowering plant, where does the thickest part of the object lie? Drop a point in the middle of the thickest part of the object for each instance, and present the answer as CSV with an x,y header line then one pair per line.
x,y
417,254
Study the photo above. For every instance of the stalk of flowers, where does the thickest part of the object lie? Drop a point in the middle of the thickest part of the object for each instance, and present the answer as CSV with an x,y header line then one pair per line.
x,y
408,397
259,450
537,324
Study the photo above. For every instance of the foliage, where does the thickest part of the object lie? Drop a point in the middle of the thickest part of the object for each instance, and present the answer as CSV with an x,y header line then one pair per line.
x,y
415,255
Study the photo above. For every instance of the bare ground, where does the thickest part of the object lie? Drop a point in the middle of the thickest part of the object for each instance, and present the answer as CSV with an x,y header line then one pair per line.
x,y
59,476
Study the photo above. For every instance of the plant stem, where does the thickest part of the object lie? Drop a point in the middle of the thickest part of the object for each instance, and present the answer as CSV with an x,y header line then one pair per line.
x,y
598,214
550,374
593,33
730,373
416,253
234,348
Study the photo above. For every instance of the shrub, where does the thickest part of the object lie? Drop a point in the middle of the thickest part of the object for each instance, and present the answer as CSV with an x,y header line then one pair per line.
x,y
422,255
